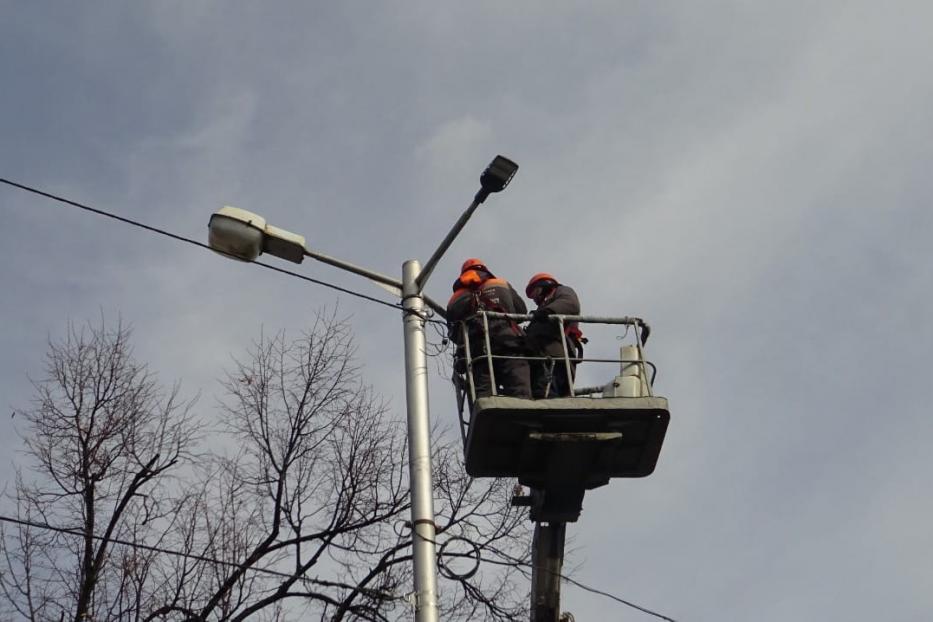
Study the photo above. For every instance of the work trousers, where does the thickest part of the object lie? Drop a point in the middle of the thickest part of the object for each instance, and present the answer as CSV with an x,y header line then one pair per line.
x,y
513,377
542,373
553,371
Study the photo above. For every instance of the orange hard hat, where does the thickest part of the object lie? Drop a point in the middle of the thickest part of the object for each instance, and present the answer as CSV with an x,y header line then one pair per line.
x,y
470,278
473,264
536,279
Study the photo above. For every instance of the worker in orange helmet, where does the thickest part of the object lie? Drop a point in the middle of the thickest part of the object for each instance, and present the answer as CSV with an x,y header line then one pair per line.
x,y
478,289
543,336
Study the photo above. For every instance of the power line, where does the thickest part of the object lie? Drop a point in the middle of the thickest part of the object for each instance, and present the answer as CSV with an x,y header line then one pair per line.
x,y
137,545
426,317
616,598
180,238
516,563
511,561
155,549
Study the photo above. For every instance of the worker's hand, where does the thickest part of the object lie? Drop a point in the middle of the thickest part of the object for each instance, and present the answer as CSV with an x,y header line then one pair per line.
x,y
645,331
540,315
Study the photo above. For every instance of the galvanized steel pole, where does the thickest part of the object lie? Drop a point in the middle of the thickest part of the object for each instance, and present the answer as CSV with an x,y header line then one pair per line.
x,y
419,447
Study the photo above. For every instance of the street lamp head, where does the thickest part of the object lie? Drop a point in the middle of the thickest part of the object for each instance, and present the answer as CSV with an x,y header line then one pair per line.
x,y
243,235
497,176
236,233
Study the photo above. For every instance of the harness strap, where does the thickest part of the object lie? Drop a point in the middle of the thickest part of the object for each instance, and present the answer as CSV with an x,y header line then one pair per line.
x,y
482,301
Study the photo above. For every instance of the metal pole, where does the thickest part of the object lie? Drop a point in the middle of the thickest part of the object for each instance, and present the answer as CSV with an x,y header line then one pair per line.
x,y
349,267
469,363
424,557
492,373
563,342
547,559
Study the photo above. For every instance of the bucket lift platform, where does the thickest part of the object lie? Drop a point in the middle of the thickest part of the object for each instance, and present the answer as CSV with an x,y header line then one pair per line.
x,y
559,447
564,446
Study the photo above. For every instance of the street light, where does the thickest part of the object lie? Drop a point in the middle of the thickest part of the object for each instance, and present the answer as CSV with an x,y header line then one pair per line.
x,y
243,235
494,179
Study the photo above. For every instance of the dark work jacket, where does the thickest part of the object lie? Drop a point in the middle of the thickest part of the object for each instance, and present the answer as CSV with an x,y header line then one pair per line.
x,y
544,335
492,295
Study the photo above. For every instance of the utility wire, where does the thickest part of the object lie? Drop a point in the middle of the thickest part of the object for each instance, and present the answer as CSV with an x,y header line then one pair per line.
x,y
425,317
519,564
156,549
514,563
180,238
595,591
616,598
137,545
511,561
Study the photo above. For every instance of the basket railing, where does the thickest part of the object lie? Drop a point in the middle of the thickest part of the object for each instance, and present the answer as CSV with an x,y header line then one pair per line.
x,y
471,354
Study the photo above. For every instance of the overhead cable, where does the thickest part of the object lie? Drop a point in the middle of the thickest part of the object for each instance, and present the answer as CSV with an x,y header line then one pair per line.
x,y
509,561
194,556
181,238
425,317
520,565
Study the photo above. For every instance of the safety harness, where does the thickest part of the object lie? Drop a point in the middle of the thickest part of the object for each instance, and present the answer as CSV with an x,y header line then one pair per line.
x,y
480,301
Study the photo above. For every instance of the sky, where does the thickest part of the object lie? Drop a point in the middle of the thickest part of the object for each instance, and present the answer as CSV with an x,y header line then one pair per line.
x,y
748,177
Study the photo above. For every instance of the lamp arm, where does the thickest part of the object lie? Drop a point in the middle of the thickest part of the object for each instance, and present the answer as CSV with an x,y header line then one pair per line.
x,y
445,244
394,285
349,267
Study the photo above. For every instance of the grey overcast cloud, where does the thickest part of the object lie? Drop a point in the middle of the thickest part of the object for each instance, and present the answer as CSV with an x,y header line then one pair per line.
x,y
752,178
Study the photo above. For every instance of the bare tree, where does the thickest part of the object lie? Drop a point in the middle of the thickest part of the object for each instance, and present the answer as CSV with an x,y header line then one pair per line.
x,y
306,514
310,515
102,435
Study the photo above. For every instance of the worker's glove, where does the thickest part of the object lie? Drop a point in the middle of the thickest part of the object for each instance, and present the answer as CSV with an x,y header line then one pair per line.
x,y
540,315
645,331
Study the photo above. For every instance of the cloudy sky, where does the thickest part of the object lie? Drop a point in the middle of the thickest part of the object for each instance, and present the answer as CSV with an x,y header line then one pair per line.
x,y
751,179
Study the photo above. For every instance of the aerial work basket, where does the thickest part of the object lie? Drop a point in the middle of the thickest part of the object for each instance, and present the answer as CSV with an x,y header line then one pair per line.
x,y
560,447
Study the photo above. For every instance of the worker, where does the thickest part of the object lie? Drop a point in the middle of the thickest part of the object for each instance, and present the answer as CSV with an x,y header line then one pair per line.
x,y
543,337
478,289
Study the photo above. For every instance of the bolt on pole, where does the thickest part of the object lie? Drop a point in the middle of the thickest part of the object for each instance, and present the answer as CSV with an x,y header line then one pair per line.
x,y
419,447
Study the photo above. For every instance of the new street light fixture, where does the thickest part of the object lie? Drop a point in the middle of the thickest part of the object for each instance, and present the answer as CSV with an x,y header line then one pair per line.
x,y
243,235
